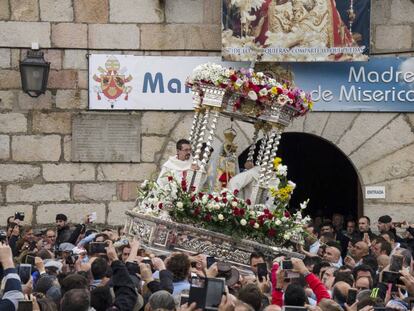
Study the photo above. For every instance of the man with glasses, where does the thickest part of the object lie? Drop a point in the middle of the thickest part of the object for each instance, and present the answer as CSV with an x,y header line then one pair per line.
x,y
177,166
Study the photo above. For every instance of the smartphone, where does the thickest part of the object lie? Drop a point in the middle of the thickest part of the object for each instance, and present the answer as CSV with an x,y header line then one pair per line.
x,y
25,306
25,271
352,295
97,247
397,224
19,216
147,261
287,265
391,277
30,260
183,299
215,290
396,263
198,292
210,261
261,271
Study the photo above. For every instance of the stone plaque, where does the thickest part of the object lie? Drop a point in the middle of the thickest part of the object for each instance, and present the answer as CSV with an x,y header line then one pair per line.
x,y
106,138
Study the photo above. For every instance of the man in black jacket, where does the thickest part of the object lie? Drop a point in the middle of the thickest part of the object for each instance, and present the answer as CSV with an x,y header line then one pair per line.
x,y
63,230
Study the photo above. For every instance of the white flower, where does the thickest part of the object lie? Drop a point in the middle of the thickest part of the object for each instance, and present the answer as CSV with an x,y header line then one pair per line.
x,y
256,225
292,184
284,219
304,204
220,216
283,99
260,74
252,213
204,200
217,206
287,236
144,184
282,170
278,222
234,204
179,205
243,222
263,92
252,95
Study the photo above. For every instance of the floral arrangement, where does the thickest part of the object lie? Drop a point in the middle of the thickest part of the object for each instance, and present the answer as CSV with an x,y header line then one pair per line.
x,y
226,213
255,86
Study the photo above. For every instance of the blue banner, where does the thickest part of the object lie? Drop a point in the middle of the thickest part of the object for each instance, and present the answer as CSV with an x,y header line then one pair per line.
x,y
382,84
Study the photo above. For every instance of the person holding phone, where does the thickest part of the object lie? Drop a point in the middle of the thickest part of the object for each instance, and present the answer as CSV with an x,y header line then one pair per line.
x,y
12,285
311,279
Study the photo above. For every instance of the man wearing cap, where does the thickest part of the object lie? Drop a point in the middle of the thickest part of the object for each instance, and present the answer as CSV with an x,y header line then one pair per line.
x,y
63,230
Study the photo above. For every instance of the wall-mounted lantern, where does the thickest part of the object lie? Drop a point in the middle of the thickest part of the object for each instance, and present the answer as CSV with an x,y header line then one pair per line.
x,y
34,71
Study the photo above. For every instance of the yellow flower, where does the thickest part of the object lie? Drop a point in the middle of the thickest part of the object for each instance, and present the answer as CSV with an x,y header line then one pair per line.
x,y
276,162
273,192
273,90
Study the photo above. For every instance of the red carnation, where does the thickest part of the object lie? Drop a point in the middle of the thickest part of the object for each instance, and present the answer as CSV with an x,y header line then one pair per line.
x,y
290,95
252,222
242,211
233,78
236,212
200,195
279,90
266,211
192,188
216,199
248,202
224,200
235,192
193,198
261,219
197,211
271,233
207,217
210,196
287,214
170,178
160,206
184,184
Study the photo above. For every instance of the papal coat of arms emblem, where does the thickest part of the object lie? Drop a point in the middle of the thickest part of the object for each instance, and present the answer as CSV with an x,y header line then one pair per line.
x,y
112,81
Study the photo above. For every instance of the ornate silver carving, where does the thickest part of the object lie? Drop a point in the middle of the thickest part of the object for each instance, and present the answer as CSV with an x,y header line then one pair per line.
x,y
164,236
213,96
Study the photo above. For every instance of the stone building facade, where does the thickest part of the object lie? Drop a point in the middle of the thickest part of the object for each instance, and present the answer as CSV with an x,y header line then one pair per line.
x,y
37,175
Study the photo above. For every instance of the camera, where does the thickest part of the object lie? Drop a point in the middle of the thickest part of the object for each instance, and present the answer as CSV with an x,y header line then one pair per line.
x,y
97,247
3,236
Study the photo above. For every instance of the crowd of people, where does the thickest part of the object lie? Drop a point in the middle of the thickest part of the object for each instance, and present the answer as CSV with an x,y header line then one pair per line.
x,y
345,267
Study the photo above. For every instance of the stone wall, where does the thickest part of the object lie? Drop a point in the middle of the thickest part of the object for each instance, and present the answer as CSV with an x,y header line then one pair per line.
x,y
36,172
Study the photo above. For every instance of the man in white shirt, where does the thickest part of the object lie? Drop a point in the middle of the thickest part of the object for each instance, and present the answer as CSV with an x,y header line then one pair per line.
x,y
177,165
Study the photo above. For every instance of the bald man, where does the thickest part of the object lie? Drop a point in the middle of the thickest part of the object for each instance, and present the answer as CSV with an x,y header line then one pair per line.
x,y
383,261
340,292
333,256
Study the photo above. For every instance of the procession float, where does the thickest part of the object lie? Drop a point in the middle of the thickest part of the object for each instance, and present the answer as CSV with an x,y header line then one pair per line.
x,y
196,215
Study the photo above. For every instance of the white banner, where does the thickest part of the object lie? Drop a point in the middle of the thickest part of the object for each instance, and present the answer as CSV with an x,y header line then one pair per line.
x,y
127,82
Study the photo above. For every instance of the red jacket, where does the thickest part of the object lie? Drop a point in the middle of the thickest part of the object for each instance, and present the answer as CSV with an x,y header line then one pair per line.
x,y
313,281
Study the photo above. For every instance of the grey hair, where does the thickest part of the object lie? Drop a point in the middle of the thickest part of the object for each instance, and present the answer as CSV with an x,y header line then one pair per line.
x,y
162,300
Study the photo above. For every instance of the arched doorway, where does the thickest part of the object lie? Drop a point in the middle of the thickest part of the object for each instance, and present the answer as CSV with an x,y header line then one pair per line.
x,y
322,173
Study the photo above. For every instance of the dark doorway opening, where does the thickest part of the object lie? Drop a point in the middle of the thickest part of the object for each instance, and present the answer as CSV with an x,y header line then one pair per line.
x,y
322,173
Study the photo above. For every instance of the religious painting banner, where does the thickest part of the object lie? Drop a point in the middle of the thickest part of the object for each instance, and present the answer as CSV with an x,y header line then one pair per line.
x,y
127,82
295,30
